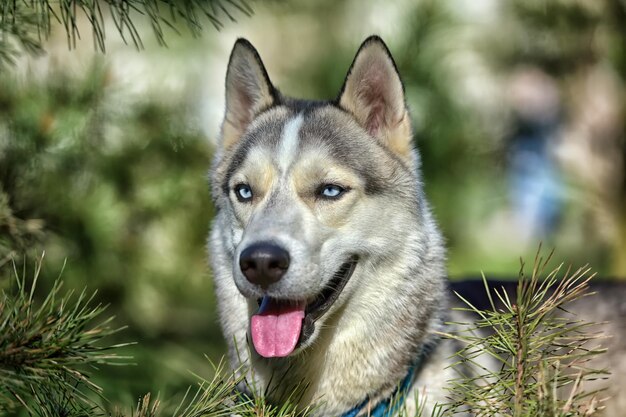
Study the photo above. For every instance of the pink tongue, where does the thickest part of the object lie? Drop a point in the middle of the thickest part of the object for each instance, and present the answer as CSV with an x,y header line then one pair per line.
x,y
276,328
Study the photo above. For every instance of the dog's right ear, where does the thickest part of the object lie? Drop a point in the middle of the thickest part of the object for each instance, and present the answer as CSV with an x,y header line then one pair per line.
x,y
248,91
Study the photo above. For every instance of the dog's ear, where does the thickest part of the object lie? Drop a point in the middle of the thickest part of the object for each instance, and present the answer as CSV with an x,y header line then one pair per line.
x,y
374,94
248,91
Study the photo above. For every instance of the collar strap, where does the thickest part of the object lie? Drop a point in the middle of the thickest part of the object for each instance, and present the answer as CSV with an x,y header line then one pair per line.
x,y
388,406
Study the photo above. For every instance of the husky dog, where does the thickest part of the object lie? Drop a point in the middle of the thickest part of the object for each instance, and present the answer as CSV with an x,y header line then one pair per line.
x,y
328,265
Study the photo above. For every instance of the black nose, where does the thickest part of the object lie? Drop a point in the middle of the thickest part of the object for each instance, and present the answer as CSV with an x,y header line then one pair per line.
x,y
264,263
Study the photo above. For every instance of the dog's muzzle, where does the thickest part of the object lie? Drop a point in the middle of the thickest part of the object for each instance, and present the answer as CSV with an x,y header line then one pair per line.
x,y
281,325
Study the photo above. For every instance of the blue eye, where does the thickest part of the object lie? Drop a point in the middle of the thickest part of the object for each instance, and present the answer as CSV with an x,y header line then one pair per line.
x,y
331,191
243,192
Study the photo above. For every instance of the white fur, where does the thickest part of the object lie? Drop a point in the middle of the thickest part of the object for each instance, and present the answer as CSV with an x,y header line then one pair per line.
x,y
289,141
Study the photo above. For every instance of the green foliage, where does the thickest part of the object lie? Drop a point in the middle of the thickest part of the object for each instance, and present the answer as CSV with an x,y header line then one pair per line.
x,y
118,188
542,351
25,24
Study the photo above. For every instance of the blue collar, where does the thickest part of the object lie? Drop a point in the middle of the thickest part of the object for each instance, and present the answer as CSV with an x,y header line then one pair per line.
x,y
388,406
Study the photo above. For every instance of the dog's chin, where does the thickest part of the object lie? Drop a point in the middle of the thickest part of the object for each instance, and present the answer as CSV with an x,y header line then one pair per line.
x,y
283,327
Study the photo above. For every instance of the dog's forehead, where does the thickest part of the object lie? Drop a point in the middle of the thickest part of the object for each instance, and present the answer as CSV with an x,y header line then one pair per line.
x,y
300,124
291,132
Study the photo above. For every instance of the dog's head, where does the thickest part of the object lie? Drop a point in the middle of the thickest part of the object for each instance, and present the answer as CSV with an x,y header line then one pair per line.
x,y
312,194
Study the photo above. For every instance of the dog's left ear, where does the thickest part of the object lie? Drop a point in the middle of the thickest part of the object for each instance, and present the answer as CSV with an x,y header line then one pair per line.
x,y
374,94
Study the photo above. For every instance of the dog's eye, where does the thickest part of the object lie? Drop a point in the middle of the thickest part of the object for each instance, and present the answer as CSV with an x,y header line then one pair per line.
x,y
243,192
331,191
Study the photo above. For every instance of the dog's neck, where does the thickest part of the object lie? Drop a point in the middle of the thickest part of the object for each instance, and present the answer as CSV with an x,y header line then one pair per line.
x,y
390,405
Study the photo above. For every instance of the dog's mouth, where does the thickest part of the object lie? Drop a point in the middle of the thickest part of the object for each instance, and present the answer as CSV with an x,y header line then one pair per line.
x,y
280,326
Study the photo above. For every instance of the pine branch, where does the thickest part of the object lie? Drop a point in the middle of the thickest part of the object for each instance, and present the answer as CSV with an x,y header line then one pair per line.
x,y
20,30
45,346
543,352
25,24
216,397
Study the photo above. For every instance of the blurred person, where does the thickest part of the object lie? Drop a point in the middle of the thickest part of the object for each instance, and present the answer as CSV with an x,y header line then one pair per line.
x,y
536,187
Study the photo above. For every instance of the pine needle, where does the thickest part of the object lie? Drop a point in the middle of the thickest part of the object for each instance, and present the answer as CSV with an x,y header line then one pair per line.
x,y
45,346
26,24
542,352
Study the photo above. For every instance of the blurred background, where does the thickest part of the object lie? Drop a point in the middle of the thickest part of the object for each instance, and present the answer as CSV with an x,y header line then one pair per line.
x,y
518,109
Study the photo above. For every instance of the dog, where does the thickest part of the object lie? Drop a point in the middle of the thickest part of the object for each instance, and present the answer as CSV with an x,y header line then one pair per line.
x,y
328,266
